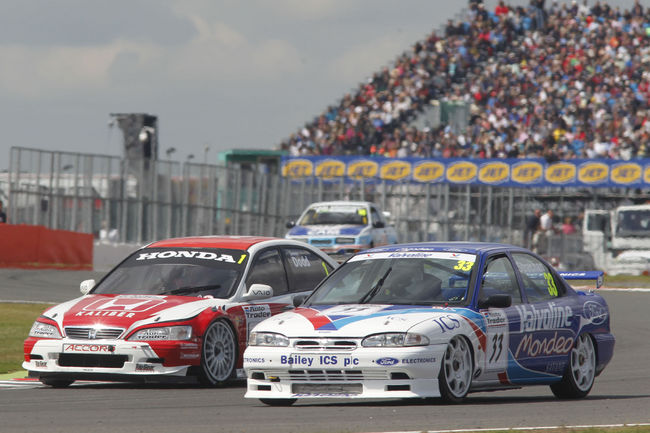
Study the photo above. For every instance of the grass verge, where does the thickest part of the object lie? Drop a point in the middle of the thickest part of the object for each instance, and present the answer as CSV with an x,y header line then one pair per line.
x,y
15,322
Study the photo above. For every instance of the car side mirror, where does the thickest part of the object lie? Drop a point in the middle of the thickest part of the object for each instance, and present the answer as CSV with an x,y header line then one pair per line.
x,y
378,224
86,286
497,301
258,291
291,224
299,299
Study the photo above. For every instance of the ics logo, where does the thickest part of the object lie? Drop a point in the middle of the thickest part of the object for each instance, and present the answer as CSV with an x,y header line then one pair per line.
x,y
387,361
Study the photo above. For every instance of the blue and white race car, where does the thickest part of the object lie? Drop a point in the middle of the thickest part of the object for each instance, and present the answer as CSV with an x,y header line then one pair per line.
x,y
339,227
434,320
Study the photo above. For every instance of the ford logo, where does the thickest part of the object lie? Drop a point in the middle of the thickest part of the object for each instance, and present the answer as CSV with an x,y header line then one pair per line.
x,y
387,361
595,312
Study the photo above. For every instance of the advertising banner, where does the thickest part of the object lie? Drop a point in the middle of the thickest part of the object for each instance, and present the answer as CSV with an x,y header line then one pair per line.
x,y
458,171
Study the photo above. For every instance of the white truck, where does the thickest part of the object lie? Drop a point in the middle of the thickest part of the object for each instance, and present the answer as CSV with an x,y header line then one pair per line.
x,y
619,240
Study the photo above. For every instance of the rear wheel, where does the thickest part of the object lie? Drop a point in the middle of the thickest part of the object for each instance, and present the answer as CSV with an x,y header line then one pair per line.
x,y
456,371
56,383
278,401
581,371
218,354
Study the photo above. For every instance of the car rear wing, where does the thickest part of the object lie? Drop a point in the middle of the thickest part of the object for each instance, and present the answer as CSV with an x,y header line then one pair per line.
x,y
584,275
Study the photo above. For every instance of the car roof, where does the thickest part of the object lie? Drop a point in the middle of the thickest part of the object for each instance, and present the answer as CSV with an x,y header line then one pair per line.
x,y
230,242
341,202
464,247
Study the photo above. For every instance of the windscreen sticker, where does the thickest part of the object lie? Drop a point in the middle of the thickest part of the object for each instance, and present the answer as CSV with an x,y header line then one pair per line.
x,y
362,212
464,265
202,255
466,259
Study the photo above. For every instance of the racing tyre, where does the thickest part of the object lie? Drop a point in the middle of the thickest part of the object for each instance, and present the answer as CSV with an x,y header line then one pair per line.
x,y
218,354
579,375
278,401
56,383
456,371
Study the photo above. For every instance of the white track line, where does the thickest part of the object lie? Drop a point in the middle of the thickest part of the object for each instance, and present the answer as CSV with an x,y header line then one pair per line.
x,y
525,428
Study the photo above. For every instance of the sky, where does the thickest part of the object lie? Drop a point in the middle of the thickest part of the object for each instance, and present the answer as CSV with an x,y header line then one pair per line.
x,y
218,74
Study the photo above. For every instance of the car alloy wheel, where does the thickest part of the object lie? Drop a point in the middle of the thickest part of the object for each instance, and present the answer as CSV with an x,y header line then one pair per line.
x,y
581,371
456,371
218,355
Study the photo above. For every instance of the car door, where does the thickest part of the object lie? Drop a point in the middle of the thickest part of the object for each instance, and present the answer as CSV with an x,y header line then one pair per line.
x,y
378,233
502,324
547,320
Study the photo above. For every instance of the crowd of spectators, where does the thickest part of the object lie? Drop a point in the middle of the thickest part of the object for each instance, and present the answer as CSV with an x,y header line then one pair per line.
x,y
552,80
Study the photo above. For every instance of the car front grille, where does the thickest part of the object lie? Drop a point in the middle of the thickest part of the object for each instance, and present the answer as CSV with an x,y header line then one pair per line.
x,y
321,242
324,344
315,375
81,333
83,360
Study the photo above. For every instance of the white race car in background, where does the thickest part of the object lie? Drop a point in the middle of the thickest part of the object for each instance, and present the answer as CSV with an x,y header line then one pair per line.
x,y
339,227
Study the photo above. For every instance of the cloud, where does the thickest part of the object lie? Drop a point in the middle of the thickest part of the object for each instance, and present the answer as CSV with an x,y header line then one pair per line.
x,y
216,53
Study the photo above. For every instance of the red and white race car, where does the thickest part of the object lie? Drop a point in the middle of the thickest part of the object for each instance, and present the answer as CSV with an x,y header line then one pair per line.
x,y
175,307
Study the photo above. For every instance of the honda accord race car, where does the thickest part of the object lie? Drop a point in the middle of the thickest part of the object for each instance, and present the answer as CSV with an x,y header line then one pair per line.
x,y
340,227
434,320
174,308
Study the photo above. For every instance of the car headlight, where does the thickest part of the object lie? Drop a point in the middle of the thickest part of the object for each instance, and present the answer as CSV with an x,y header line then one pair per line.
x,y
395,339
44,330
267,339
163,333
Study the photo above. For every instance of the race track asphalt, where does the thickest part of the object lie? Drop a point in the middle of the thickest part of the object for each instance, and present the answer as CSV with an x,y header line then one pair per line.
x,y
620,395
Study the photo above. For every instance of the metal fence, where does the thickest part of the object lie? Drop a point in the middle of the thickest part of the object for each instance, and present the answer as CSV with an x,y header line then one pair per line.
x,y
136,201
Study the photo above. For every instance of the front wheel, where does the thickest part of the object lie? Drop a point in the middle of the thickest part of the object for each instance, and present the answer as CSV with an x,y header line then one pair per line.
x,y
456,371
581,371
278,401
218,354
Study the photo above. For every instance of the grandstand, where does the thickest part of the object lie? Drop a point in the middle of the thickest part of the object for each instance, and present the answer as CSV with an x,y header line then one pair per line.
x,y
568,81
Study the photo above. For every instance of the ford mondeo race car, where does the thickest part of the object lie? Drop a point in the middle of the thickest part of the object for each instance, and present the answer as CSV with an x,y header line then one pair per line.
x,y
433,320
339,227
174,308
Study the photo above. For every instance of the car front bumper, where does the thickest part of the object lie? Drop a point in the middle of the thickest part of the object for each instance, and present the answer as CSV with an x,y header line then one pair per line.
x,y
405,372
67,357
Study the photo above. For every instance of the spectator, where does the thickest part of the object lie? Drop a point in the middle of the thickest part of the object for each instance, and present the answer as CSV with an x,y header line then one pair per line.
x,y
3,215
567,82
531,227
567,226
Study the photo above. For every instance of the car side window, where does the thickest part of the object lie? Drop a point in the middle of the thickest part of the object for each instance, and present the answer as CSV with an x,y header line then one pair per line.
x,y
539,282
267,268
376,216
305,269
499,278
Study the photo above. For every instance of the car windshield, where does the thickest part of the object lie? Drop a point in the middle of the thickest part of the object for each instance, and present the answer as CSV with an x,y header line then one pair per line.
x,y
177,271
335,214
412,278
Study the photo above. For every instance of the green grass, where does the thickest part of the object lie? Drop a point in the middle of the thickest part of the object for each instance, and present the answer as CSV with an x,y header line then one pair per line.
x,y
15,322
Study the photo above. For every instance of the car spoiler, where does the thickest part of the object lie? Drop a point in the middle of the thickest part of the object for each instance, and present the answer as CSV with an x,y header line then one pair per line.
x,y
584,275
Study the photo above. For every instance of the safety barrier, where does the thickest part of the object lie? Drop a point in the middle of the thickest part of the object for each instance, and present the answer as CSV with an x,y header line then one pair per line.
x,y
37,247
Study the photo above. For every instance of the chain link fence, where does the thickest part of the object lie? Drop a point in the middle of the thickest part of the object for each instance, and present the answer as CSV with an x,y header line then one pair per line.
x,y
137,201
